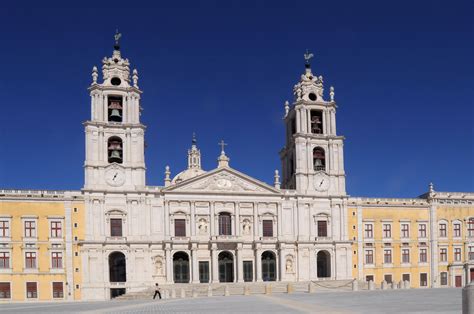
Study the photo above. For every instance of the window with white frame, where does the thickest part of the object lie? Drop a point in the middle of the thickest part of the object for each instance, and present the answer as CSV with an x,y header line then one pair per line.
x,y
369,231
443,254
387,256
387,231
4,260
457,230
4,228
470,227
444,278
369,257
55,228
471,253
443,230
405,230
56,260
30,228
422,230
30,260
423,255
405,256
457,254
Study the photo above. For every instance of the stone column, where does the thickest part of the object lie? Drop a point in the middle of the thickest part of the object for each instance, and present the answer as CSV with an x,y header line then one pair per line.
x,y
211,220
194,265
433,247
193,219
237,219
240,265
281,257
468,299
214,264
169,266
258,264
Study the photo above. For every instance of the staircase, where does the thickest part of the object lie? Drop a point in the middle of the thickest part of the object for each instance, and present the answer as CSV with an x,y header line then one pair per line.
x,y
219,289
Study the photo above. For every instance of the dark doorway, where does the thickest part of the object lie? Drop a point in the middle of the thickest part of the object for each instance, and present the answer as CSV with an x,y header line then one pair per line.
x,y
471,274
226,267
115,292
181,267
458,281
324,264
248,271
117,267
268,266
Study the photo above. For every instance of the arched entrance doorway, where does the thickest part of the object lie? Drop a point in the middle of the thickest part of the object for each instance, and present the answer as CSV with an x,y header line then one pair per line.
x,y
268,266
324,264
181,267
117,267
226,267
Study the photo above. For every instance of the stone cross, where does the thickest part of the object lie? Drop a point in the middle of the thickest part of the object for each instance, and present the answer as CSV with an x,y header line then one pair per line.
x,y
222,144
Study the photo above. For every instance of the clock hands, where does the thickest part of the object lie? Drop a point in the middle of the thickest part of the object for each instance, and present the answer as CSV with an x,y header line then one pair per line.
x,y
113,179
321,182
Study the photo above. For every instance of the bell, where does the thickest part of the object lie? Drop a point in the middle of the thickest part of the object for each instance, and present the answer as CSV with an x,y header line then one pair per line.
x,y
115,115
115,155
318,162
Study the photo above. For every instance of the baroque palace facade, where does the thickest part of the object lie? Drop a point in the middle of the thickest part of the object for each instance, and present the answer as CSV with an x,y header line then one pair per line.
x,y
118,235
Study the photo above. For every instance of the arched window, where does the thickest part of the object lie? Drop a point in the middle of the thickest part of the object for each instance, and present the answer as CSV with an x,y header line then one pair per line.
x,y
316,122
117,267
268,266
319,159
181,267
115,108
114,148
225,224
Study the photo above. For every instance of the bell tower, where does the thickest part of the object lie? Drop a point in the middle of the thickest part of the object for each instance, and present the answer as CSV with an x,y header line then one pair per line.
x,y
312,159
114,135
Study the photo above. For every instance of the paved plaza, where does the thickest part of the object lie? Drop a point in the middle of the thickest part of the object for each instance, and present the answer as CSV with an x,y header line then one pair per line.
x,y
398,301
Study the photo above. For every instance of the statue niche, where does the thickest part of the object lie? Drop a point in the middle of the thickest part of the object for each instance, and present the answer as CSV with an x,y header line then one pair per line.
x,y
289,264
158,263
246,227
202,226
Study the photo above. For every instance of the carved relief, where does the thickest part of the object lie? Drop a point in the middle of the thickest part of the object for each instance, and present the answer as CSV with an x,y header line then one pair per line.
x,y
224,182
158,263
289,264
246,227
202,226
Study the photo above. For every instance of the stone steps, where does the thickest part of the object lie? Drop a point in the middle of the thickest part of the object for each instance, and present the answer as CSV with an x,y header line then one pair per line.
x,y
219,289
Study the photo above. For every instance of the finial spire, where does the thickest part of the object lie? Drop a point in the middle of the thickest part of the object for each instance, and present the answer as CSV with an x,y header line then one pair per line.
x,y
276,183
223,160
308,56
117,38
194,140
167,176
222,144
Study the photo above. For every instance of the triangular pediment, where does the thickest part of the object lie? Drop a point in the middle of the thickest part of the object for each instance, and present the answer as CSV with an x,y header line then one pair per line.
x,y
223,180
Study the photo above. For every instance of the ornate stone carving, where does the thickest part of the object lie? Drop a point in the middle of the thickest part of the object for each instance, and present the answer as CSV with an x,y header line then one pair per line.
x,y
289,264
246,227
224,182
158,263
202,226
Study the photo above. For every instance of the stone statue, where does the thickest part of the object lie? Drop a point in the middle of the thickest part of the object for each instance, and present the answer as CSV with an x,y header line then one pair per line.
x,y
202,226
289,265
158,261
246,227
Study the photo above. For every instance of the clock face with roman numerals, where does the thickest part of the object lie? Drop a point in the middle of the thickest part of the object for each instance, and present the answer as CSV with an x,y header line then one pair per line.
x,y
115,177
321,182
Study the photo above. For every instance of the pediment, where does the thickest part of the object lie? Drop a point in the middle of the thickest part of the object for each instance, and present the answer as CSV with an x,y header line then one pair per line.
x,y
223,180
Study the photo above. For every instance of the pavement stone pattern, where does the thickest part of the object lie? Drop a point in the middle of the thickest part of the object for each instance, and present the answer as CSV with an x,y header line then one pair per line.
x,y
399,301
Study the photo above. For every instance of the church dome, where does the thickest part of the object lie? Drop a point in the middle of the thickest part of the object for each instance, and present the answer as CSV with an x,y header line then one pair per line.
x,y
187,174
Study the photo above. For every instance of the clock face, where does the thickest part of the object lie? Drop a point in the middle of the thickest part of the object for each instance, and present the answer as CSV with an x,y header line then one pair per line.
x,y
321,182
115,177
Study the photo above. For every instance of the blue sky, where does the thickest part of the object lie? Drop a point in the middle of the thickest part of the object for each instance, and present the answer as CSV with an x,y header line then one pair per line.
x,y
402,72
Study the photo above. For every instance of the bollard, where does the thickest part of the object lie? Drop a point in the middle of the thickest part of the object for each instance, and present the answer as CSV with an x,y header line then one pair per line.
x,y
407,284
195,294
383,285
290,288
355,285
468,299
183,293
246,290
209,291
173,294
166,294
394,286
371,285
311,288
226,291
401,285
268,289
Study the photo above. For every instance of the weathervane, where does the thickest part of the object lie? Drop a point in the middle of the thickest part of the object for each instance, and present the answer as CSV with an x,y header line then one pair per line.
x,y
308,56
222,144
117,38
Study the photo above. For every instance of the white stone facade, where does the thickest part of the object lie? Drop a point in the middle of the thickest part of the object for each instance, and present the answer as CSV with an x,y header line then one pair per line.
x,y
244,229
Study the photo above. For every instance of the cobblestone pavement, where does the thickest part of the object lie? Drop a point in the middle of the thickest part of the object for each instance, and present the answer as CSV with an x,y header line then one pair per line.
x,y
399,301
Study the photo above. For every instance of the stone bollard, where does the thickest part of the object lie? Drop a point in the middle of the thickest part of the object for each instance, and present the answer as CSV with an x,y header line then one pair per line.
x,y
183,293
268,289
355,285
468,299
406,284
311,288
226,291
383,285
371,285
246,290
394,285
401,285
195,293
166,294
209,291
173,294
290,288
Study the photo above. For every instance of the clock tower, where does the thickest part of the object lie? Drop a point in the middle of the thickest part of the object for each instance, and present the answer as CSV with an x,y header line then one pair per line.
x,y
114,135
312,159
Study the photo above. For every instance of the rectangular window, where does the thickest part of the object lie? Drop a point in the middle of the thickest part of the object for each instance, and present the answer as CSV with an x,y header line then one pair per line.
x,y
4,228
444,278
58,290
203,272
457,254
423,279
322,228
470,227
4,260
423,256
30,259
248,271
267,228
180,227
387,231
369,257
31,290
369,231
388,278
225,224
442,230
57,260
406,277
30,229
56,231
405,256
387,256
405,231
115,227
5,290
369,278
471,253
443,255
422,231
457,230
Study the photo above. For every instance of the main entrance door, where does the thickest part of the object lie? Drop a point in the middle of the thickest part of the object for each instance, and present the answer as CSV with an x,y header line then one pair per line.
x,y
268,266
181,267
323,264
117,267
226,267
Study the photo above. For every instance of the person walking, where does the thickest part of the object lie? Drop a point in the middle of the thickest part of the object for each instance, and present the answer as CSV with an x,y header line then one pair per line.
x,y
157,291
